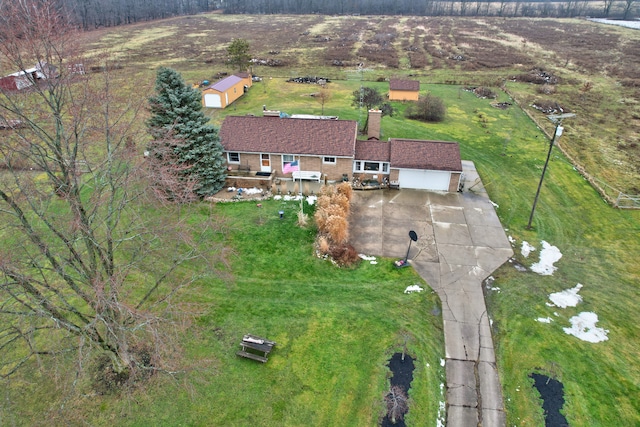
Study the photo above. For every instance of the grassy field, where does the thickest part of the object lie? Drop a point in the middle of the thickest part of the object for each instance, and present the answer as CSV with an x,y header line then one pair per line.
x,y
335,331
596,66
336,328
599,246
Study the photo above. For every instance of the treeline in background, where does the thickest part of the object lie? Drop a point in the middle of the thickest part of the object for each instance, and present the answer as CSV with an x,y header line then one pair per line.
x,y
106,13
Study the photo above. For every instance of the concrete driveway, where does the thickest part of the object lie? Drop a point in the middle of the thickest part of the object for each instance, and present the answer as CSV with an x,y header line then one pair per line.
x,y
460,243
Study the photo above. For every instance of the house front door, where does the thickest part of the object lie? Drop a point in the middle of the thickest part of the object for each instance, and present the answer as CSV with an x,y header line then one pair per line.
x,y
265,162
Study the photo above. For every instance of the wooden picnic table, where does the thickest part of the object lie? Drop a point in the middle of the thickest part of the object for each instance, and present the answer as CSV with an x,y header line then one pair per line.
x,y
257,344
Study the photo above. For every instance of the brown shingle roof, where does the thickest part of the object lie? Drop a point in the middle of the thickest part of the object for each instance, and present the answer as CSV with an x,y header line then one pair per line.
x,y
433,155
397,84
374,150
289,136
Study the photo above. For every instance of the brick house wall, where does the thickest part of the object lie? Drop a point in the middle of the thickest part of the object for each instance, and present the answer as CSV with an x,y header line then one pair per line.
x,y
454,182
333,172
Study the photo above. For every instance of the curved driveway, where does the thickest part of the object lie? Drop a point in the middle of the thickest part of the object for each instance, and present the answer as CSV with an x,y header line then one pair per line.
x,y
460,243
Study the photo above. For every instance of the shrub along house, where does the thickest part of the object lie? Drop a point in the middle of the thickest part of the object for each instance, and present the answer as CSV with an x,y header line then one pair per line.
x,y
329,150
404,90
224,92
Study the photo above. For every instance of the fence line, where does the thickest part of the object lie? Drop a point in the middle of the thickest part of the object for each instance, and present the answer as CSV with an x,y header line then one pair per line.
x,y
621,200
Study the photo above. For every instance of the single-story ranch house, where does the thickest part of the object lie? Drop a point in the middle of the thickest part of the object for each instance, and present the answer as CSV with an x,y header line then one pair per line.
x,y
224,92
404,90
329,150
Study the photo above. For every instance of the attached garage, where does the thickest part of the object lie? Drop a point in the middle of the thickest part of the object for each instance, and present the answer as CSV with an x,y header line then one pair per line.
x,y
425,165
424,179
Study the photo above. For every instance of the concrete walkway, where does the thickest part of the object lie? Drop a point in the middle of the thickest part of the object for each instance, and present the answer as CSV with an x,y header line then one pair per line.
x,y
460,243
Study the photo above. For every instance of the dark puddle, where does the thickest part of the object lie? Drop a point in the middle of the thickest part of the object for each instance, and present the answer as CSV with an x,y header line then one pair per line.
x,y
552,395
402,375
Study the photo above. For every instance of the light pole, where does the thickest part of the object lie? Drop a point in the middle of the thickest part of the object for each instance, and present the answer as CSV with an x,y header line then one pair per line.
x,y
557,119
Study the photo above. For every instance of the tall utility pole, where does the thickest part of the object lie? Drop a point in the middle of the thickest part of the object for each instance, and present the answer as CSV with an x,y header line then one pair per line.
x,y
557,119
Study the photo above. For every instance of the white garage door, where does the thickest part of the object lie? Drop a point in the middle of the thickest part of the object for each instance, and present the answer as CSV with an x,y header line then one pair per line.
x,y
424,179
212,100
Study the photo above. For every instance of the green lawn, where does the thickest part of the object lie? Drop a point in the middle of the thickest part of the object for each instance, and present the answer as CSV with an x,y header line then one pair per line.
x,y
600,248
335,331
336,328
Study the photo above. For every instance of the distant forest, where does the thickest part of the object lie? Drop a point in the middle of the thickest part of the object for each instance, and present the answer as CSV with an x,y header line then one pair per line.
x,y
107,13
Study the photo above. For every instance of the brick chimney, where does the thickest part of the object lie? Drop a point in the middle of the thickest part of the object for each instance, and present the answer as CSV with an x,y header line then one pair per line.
x,y
373,130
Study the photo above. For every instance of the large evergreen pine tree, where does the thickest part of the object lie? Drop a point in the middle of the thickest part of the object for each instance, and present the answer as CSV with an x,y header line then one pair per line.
x,y
178,121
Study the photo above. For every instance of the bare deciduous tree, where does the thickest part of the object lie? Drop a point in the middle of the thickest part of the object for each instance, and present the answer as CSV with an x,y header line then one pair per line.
x,y
397,403
323,97
82,264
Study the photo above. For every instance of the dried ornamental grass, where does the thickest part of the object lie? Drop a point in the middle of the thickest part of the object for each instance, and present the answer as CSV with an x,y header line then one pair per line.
x,y
338,229
346,190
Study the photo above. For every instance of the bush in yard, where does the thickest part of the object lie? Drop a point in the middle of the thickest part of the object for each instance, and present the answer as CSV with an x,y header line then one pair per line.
x,y
429,108
344,255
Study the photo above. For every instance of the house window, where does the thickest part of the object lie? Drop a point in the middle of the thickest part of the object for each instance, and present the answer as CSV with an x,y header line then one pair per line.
x,y
371,167
287,158
233,157
329,160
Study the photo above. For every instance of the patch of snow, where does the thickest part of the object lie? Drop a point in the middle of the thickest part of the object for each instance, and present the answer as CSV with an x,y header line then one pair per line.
x,y
441,414
496,289
527,249
567,298
511,239
495,205
628,24
583,326
277,197
413,288
442,362
253,190
544,320
311,200
371,259
548,255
